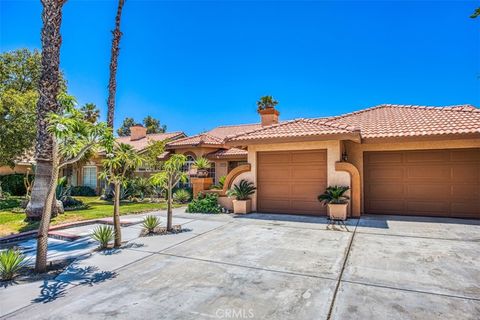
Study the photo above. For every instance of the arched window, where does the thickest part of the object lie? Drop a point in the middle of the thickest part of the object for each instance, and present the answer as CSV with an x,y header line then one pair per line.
x,y
186,168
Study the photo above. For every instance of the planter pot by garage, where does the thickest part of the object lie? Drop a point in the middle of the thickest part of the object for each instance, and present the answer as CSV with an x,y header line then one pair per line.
x,y
242,206
337,211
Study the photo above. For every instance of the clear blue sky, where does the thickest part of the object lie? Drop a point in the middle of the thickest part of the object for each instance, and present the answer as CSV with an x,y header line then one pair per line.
x,y
196,65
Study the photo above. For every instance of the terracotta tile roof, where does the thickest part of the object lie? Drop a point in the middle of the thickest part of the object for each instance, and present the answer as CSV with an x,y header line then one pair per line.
x,y
196,140
403,121
141,144
228,154
214,137
377,122
293,128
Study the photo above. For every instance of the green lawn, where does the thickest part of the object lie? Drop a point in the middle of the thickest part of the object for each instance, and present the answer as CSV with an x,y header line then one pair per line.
x,y
11,223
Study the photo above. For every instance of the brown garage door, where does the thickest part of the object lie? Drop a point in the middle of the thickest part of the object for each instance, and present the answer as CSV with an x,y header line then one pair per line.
x,y
290,181
423,182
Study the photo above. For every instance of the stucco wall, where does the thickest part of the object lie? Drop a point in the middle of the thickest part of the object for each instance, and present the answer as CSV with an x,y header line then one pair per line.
x,y
333,148
6,170
355,150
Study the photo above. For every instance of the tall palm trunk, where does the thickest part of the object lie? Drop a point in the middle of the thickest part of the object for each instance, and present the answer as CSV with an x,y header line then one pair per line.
x,y
169,205
116,216
48,88
42,238
112,84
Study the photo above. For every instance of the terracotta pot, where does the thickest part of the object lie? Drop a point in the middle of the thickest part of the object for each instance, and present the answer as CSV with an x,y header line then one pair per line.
x,y
202,173
242,206
337,211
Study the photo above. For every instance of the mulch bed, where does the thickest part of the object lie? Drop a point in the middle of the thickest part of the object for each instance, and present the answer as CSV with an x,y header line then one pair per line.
x,y
160,231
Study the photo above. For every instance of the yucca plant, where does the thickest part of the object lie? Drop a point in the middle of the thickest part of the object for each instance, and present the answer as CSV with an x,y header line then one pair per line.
x,y
242,190
334,195
181,196
11,261
150,223
103,234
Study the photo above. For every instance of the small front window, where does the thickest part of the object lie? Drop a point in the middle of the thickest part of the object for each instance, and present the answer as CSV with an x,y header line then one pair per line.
x,y
90,177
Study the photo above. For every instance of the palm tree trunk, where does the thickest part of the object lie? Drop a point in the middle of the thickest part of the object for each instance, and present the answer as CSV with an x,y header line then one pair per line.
x,y
169,206
112,84
116,216
42,238
48,88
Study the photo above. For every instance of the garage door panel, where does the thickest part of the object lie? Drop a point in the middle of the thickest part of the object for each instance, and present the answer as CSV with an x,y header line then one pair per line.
x,y
428,207
274,158
430,173
466,191
385,173
424,157
308,173
273,173
384,206
307,206
391,157
465,173
290,181
465,156
308,157
385,190
463,209
307,190
272,205
435,182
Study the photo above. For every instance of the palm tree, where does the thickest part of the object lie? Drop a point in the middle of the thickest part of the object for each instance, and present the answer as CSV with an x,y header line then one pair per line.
x,y
48,87
72,137
266,102
112,84
171,174
121,160
90,112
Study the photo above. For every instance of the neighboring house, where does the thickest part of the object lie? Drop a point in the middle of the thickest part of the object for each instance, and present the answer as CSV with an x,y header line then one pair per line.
x,y
211,144
405,160
87,173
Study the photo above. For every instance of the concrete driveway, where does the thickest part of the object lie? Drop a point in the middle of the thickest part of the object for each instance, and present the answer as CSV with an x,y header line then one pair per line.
x,y
277,267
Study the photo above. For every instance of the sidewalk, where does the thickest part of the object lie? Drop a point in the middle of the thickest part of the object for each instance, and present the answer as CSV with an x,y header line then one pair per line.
x,y
92,266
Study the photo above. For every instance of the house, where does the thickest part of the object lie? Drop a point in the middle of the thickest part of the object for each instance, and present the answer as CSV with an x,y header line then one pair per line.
x,y
405,160
211,145
87,173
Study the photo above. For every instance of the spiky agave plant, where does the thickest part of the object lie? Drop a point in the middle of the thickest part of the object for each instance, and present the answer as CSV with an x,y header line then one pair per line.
x,y
103,234
11,261
150,223
181,196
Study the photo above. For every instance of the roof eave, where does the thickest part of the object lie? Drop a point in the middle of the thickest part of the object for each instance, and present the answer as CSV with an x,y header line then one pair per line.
x,y
352,136
429,137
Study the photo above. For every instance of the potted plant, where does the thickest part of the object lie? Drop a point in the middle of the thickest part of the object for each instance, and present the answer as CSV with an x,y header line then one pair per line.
x,y
242,192
334,197
202,165
266,103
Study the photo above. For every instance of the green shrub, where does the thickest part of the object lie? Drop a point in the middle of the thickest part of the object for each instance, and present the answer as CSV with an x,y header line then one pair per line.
x,y
9,203
82,191
334,195
11,261
150,223
69,202
242,190
103,234
13,184
221,182
182,196
205,203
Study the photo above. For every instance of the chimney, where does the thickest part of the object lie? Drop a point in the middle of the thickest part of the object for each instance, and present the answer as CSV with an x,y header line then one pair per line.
x,y
269,116
137,132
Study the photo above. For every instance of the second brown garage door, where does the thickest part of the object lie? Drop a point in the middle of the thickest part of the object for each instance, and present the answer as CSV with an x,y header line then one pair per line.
x,y
290,181
423,182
